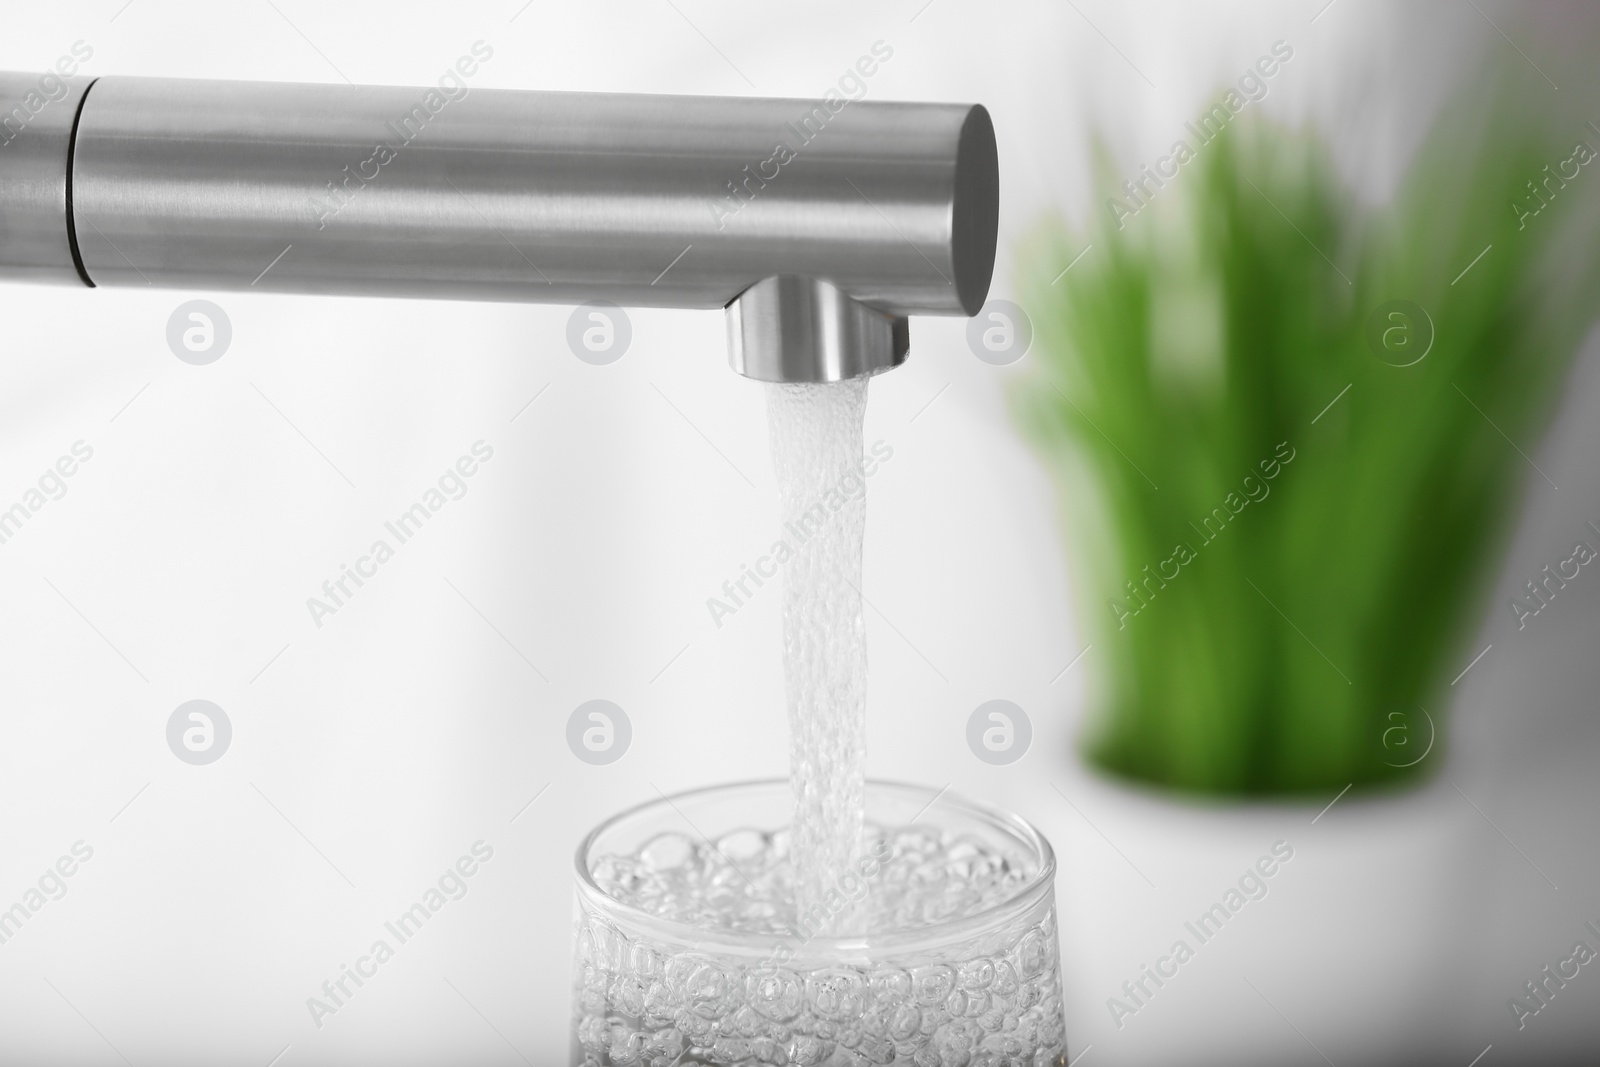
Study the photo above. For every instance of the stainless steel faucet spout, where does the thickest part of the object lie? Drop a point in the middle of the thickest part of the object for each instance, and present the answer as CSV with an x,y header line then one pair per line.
x,y
820,225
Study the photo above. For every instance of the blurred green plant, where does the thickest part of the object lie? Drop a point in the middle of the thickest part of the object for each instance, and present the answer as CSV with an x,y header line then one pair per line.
x,y
1286,536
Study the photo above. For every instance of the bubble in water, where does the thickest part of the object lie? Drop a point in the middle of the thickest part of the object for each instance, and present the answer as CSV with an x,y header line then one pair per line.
x,y
994,999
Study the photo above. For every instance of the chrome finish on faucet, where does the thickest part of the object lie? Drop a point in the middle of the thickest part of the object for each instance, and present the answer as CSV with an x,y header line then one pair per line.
x,y
819,229
793,329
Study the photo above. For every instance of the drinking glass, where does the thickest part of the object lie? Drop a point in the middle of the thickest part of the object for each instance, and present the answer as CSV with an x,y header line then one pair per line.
x,y
978,988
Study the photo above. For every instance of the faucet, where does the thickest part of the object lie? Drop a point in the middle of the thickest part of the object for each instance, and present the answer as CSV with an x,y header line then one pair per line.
x,y
819,226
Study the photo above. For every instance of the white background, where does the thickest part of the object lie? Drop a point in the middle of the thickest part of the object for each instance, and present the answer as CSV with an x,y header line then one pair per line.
x,y
374,751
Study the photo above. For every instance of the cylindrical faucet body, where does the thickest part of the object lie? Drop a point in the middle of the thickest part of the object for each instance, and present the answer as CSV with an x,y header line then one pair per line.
x,y
640,200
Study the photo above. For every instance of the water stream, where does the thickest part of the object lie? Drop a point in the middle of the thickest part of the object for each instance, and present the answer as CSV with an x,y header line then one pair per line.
x,y
816,450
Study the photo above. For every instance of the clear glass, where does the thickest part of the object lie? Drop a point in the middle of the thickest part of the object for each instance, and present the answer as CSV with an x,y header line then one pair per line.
x,y
979,990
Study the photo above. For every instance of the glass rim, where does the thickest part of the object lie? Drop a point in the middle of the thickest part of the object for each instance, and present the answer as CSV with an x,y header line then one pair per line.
x,y
725,942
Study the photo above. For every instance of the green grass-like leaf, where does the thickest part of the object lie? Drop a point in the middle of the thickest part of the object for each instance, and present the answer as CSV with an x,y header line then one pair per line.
x,y
1201,339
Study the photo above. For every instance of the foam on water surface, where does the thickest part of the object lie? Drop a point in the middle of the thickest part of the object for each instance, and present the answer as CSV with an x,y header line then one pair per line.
x,y
907,878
